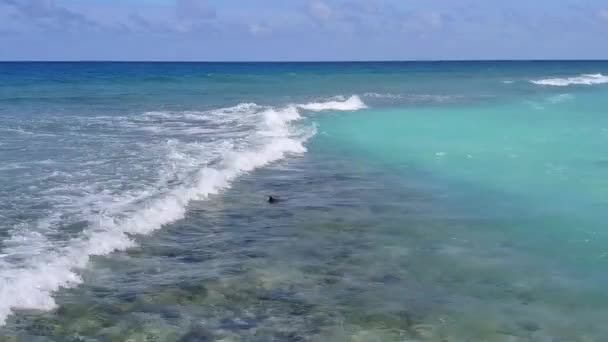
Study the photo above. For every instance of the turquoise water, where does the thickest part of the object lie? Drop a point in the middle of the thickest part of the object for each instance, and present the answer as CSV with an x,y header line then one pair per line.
x,y
448,201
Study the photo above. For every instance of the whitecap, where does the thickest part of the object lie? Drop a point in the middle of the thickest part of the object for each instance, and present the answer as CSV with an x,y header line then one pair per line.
x,y
351,104
585,79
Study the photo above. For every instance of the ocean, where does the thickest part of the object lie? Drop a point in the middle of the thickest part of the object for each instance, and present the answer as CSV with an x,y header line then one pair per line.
x,y
418,201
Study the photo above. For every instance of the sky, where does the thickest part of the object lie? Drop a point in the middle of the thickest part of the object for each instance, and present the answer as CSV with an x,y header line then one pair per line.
x,y
302,30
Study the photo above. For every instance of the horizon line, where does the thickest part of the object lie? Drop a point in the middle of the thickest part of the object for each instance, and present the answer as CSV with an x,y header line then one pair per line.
x,y
297,61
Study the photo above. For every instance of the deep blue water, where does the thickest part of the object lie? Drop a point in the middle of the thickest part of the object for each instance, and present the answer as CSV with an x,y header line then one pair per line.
x,y
420,201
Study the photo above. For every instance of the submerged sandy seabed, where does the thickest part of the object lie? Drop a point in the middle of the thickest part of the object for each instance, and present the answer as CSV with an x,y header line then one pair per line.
x,y
346,257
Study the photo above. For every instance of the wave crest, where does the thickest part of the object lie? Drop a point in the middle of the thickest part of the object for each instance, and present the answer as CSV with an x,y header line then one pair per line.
x,y
351,104
585,79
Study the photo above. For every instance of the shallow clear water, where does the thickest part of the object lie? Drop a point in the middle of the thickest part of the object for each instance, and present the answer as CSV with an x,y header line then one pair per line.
x,y
456,201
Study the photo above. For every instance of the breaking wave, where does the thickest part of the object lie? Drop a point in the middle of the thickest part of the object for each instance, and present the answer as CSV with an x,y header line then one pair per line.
x,y
237,140
585,79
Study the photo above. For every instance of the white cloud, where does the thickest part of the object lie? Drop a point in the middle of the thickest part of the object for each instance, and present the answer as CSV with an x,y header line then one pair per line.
x,y
47,14
319,10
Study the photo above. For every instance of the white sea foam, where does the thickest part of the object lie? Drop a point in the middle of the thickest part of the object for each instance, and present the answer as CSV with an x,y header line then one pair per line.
x,y
113,216
351,104
585,79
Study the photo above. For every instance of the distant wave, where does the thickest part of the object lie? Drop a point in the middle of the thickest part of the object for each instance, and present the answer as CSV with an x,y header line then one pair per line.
x,y
352,103
585,79
264,134
16,131
11,166
22,132
413,97
560,98
383,96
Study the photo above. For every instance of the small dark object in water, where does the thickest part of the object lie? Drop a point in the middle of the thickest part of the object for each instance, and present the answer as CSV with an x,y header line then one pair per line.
x,y
272,199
